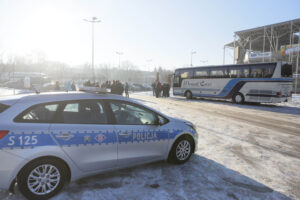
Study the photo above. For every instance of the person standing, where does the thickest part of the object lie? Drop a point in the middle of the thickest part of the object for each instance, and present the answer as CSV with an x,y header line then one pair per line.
x,y
57,87
73,86
158,89
153,88
127,90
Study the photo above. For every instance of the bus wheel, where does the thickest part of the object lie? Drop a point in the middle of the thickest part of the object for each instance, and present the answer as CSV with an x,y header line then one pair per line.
x,y
238,98
188,95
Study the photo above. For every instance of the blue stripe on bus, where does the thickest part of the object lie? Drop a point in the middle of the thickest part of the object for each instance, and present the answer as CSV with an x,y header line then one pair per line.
x,y
233,86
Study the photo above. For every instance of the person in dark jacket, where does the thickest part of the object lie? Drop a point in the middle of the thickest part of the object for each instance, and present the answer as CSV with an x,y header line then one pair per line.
x,y
113,87
153,88
127,90
158,89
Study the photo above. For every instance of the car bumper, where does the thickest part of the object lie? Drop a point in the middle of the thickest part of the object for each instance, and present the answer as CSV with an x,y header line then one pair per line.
x,y
8,168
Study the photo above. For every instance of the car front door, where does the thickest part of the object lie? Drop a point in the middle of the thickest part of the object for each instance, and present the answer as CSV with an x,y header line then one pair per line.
x,y
83,131
140,139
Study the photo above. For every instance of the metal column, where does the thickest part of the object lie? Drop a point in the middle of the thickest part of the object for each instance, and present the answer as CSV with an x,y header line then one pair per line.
x,y
271,43
264,44
224,55
297,65
291,35
234,48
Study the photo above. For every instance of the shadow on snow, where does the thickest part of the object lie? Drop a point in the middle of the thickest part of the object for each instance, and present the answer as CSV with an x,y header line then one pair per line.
x,y
199,178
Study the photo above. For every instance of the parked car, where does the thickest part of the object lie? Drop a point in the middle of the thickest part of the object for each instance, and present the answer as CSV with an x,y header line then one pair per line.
x,y
50,139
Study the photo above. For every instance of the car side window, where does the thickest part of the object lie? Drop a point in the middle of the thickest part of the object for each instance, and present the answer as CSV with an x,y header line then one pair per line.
x,y
83,112
130,114
38,114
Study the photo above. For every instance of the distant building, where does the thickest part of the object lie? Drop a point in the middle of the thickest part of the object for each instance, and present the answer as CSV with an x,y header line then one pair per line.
x,y
274,42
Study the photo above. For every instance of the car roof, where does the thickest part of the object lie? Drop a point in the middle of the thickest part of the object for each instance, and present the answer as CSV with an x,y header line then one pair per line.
x,y
56,96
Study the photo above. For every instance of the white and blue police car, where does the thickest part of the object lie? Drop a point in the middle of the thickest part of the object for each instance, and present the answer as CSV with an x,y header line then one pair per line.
x,y
50,139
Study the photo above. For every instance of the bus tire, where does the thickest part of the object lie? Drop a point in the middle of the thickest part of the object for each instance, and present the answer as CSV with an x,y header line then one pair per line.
x,y
238,98
189,95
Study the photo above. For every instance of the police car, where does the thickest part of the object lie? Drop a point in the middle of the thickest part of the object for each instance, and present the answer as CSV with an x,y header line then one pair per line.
x,y
50,139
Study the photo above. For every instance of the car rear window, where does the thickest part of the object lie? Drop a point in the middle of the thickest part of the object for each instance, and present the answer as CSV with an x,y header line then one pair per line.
x,y
38,114
3,107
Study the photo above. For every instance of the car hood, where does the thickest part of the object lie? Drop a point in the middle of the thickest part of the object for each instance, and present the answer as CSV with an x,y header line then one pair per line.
x,y
178,120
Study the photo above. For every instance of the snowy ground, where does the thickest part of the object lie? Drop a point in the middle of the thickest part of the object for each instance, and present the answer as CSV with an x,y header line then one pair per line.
x,y
245,152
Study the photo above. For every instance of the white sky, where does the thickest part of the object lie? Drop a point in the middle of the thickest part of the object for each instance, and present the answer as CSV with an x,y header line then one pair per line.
x,y
164,31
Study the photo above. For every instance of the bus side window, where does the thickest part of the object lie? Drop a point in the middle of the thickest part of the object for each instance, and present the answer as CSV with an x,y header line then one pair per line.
x,y
246,73
256,72
201,74
286,70
268,71
218,73
233,73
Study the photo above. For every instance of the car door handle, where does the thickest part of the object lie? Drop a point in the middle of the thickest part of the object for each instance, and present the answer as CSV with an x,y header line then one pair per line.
x,y
125,134
65,136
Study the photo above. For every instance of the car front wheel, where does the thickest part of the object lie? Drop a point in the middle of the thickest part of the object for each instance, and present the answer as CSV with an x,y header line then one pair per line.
x,y
42,179
181,150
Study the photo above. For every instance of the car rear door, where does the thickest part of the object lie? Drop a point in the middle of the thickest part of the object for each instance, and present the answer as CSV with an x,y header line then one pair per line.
x,y
140,139
85,135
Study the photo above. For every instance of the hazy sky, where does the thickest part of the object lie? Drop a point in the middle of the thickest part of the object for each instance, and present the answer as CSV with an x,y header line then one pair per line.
x,y
162,30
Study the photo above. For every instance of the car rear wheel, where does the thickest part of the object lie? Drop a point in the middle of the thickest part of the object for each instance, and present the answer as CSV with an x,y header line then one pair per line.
x,y
42,179
181,150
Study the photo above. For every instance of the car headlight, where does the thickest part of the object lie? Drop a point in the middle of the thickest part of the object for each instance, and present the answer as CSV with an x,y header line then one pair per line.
x,y
191,125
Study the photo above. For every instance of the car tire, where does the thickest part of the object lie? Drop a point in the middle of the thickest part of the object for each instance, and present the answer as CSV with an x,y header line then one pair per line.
x,y
238,98
182,150
36,181
189,95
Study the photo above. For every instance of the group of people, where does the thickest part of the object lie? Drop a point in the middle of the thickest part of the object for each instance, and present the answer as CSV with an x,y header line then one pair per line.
x,y
160,90
69,86
116,87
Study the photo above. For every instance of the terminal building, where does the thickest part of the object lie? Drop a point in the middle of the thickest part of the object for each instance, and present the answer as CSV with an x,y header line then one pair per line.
x,y
270,43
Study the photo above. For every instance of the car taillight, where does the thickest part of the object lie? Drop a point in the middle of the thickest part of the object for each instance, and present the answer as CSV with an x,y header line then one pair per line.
x,y
278,93
3,134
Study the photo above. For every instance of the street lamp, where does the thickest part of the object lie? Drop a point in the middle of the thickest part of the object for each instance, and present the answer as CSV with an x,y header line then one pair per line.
x,y
203,61
149,65
119,53
93,21
192,53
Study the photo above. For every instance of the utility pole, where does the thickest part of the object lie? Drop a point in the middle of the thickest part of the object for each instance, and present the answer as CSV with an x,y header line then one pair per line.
x,y
119,53
192,53
93,21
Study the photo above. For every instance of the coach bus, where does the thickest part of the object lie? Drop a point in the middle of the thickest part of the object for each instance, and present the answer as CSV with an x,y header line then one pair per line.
x,y
260,82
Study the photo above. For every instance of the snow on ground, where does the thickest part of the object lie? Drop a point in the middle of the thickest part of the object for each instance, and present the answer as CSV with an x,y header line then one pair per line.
x,y
245,152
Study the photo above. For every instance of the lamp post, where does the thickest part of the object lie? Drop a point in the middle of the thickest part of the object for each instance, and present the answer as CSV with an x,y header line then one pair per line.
x,y
119,53
192,53
203,61
93,21
149,65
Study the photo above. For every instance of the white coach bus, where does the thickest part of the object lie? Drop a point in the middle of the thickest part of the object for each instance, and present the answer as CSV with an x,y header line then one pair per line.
x,y
261,82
